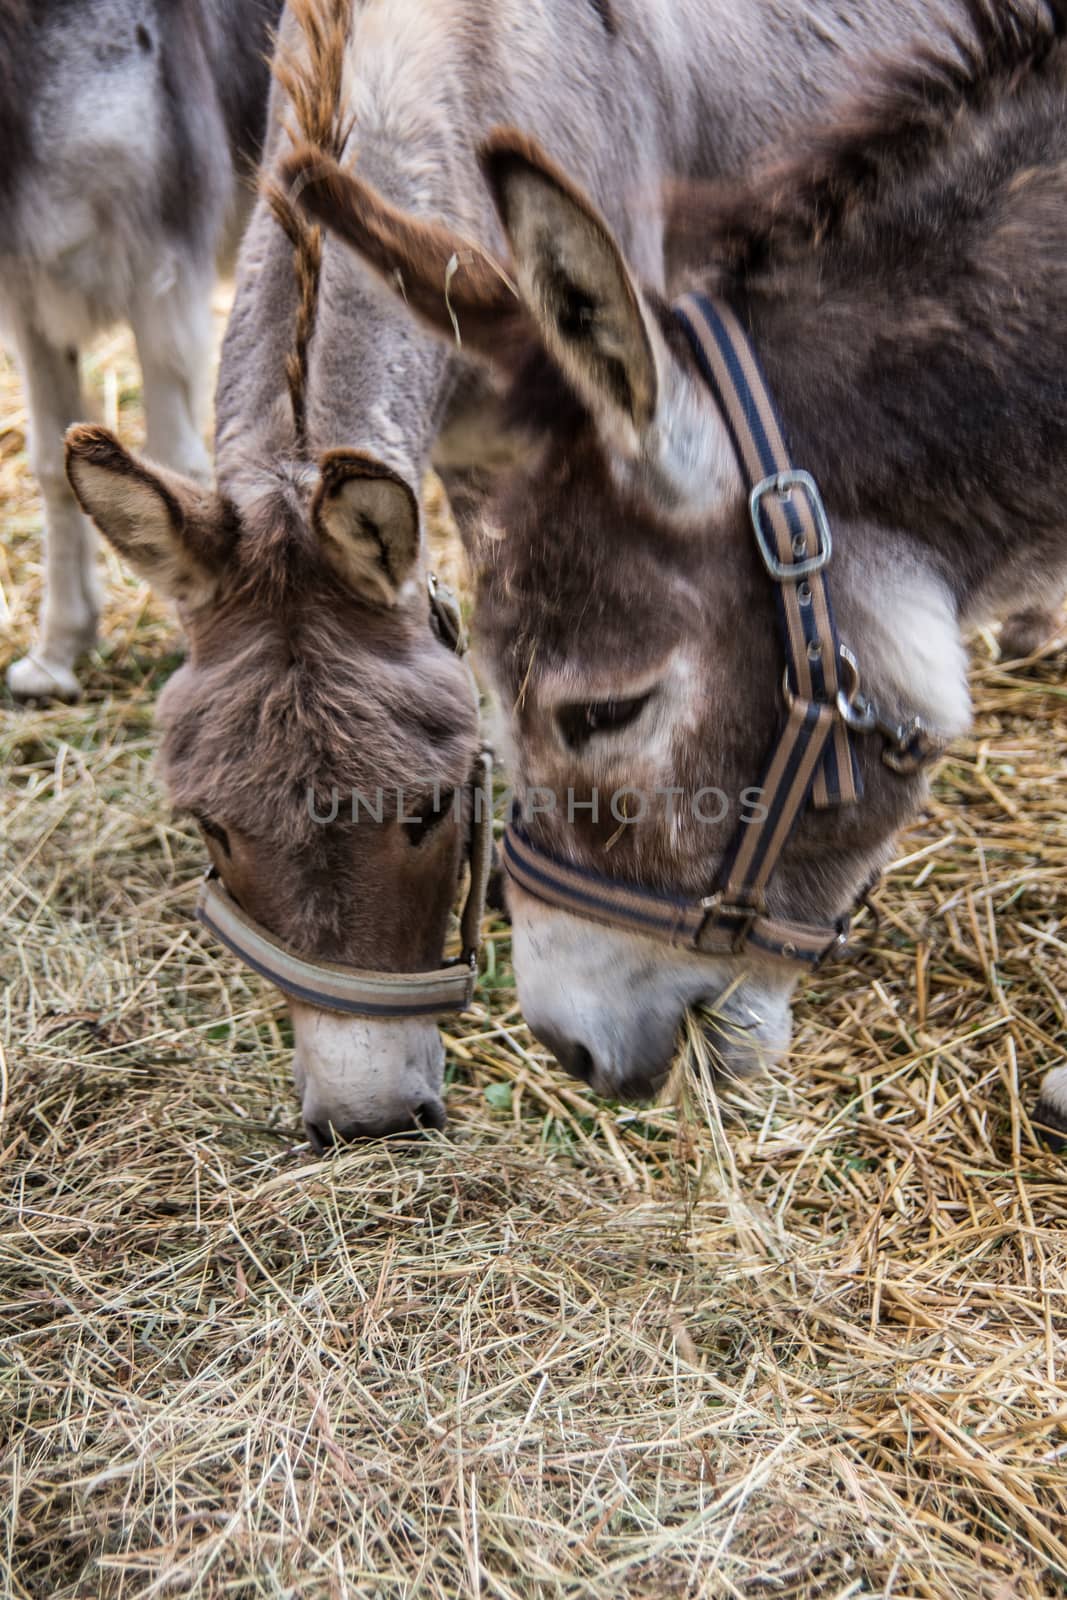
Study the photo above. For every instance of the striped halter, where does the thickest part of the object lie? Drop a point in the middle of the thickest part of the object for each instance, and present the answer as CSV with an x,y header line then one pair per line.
x,y
813,759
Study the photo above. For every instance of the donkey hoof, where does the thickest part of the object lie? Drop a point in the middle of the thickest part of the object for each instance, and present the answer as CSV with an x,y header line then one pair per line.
x,y
37,678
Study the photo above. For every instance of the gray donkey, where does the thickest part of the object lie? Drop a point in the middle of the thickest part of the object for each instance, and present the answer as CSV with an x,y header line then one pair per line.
x,y
312,664
129,130
900,278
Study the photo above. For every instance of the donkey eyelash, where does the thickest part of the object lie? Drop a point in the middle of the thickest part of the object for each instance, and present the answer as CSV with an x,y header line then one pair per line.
x,y
582,722
213,830
429,816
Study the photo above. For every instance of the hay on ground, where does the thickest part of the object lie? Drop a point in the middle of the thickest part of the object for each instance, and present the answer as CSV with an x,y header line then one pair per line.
x,y
805,1339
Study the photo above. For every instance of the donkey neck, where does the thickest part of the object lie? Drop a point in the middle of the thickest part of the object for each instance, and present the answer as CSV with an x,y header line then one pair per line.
x,y
624,91
918,353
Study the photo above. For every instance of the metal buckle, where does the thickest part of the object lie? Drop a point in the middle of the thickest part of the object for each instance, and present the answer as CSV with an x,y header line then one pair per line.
x,y
715,907
781,484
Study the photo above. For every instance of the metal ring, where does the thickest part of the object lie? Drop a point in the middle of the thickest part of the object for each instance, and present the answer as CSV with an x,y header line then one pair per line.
x,y
854,709
848,661
859,714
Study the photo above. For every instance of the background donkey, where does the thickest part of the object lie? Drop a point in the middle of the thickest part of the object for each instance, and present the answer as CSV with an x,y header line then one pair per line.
x,y
904,284
129,129
312,663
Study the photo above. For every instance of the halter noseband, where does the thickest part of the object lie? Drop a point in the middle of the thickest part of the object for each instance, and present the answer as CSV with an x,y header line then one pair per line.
x,y
813,758
356,991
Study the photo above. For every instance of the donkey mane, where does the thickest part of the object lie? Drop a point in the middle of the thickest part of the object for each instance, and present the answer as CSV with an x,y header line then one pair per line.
x,y
891,128
312,79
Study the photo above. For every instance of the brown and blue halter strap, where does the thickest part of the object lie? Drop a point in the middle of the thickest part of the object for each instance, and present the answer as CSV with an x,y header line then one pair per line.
x,y
788,519
813,756
707,925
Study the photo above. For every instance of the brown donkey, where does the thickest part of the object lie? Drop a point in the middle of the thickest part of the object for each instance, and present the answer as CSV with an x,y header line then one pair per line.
x,y
313,668
903,282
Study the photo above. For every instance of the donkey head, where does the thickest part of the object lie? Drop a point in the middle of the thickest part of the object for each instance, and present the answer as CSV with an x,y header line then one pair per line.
x,y
630,627
320,735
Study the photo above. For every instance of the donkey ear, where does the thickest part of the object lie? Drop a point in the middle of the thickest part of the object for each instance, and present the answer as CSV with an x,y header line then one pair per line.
x,y
576,284
171,530
653,412
367,520
452,284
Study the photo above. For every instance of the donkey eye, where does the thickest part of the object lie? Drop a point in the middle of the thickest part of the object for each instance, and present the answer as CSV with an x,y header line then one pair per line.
x,y
429,815
213,830
580,723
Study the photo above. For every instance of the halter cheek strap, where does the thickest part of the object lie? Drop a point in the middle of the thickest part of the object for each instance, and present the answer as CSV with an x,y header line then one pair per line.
x,y
791,529
813,755
356,991
813,758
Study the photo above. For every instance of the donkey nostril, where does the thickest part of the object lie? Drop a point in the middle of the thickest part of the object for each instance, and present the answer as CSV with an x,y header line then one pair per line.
x,y
573,1057
430,1114
321,1139
329,1135
579,1063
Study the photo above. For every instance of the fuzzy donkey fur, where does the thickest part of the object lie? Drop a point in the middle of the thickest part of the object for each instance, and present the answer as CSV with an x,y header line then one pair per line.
x,y
312,663
129,130
904,281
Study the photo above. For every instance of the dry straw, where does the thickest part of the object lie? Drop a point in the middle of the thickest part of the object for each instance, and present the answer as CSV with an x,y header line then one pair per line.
x,y
803,1338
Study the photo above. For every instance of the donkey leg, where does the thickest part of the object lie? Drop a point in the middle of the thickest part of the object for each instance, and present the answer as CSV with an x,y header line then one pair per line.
x,y
174,344
71,606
